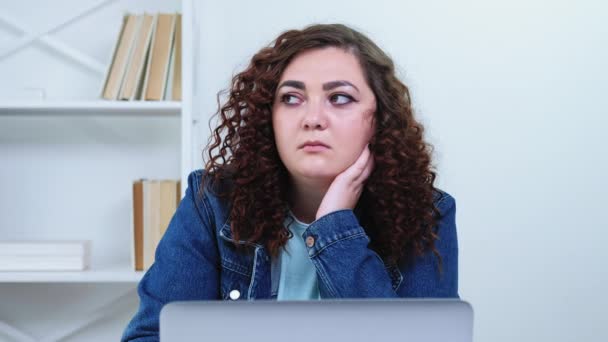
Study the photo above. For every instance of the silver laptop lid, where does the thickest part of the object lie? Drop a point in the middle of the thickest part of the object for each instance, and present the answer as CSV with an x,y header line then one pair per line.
x,y
420,320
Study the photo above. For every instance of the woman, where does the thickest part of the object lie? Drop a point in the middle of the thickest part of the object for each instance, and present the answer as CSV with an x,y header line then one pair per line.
x,y
318,185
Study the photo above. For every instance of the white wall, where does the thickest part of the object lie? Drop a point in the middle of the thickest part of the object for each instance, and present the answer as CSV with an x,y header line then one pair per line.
x,y
513,97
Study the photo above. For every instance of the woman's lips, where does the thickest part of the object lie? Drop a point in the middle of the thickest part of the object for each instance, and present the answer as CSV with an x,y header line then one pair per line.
x,y
313,143
314,148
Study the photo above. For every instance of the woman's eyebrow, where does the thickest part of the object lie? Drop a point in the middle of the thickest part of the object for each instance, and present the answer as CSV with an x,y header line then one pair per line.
x,y
326,86
294,84
336,84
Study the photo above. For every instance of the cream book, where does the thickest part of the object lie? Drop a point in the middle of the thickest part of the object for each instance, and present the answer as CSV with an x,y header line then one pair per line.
x,y
120,57
168,199
135,69
158,60
151,221
177,61
173,90
154,205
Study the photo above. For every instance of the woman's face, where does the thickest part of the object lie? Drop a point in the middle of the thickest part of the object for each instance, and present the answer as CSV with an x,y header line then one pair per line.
x,y
322,113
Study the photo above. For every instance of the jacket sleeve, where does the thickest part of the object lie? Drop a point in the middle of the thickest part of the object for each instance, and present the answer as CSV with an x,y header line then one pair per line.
x,y
347,268
185,266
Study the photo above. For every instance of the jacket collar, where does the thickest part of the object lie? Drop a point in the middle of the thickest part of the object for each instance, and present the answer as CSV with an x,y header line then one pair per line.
x,y
226,234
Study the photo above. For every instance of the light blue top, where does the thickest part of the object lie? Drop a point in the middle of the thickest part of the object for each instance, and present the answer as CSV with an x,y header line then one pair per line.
x,y
298,279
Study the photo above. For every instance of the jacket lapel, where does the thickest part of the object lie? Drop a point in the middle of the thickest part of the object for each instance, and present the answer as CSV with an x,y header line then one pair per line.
x,y
260,284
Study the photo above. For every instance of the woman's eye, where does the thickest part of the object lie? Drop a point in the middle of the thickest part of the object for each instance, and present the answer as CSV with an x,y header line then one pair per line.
x,y
290,99
341,99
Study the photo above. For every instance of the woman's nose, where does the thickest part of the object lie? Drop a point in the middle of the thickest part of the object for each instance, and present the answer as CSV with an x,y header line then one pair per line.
x,y
315,117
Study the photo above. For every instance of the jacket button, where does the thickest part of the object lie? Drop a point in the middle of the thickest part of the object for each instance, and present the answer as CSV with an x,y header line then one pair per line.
x,y
235,294
310,241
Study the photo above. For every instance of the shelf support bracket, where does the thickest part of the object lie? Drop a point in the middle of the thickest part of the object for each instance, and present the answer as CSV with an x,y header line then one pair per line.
x,y
15,333
64,49
114,306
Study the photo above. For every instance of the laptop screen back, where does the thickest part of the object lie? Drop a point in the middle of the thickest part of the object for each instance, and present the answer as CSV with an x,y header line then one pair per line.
x,y
420,320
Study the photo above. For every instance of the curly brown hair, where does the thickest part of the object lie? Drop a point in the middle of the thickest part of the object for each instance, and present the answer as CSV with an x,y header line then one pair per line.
x,y
396,208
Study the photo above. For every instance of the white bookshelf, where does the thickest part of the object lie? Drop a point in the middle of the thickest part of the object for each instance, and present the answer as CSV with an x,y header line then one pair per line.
x,y
68,161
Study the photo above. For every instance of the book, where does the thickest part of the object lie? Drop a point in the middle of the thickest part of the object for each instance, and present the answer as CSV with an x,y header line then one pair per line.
x,y
168,91
178,194
44,247
137,253
176,94
120,58
45,255
135,69
20,263
151,230
168,204
154,205
158,59
173,90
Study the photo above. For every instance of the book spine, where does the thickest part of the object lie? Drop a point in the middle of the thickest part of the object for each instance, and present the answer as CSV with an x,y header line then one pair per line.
x,y
138,226
176,94
121,57
48,248
44,263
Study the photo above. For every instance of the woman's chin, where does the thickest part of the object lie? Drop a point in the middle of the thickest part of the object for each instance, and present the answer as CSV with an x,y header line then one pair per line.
x,y
320,174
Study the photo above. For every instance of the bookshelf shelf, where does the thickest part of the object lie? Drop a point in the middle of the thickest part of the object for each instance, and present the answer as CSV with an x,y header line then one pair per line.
x,y
84,108
107,274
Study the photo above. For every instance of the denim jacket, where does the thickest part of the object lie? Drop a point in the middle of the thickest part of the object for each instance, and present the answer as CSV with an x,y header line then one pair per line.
x,y
196,260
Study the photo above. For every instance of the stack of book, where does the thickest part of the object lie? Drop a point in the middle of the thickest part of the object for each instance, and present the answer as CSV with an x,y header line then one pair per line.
x,y
44,255
146,64
154,204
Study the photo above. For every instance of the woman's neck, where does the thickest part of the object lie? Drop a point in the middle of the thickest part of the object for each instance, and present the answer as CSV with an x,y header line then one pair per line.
x,y
305,198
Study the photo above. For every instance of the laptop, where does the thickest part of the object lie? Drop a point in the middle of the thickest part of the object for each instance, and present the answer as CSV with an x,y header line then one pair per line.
x,y
352,320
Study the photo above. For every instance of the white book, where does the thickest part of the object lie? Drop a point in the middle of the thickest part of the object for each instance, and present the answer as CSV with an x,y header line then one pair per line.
x,y
44,263
45,247
151,209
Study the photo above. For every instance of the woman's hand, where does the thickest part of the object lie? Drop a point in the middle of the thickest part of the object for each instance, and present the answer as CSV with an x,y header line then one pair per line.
x,y
345,190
